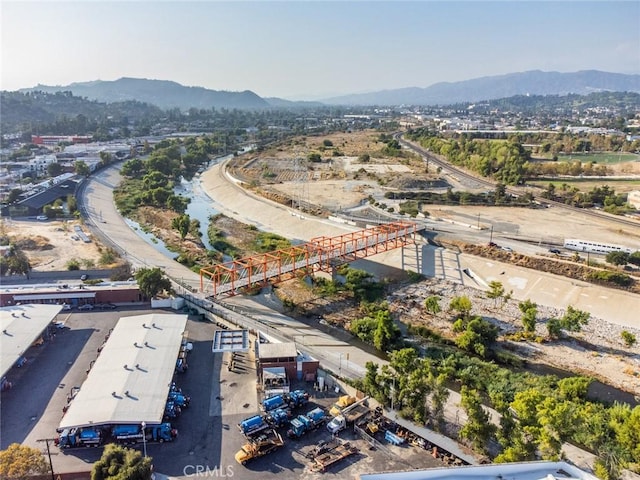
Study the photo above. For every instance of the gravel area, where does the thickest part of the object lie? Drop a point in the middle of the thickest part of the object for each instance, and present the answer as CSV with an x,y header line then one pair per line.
x,y
598,350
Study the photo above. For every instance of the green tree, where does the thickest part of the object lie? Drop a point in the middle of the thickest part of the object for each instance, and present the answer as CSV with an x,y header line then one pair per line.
x,y
327,143
432,304
81,168
14,195
529,311
478,336
496,291
634,258
182,224
478,430
574,319
151,282
461,304
617,258
54,169
19,462
120,463
386,331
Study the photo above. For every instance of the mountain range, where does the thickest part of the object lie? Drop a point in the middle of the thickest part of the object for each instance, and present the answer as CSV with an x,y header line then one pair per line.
x,y
167,94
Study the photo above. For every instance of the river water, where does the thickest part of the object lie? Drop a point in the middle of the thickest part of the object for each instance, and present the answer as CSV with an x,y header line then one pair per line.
x,y
200,208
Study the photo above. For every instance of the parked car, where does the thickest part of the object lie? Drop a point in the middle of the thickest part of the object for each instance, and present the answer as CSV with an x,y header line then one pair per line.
x,y
42,217
86,306
555,251
66,306
83,277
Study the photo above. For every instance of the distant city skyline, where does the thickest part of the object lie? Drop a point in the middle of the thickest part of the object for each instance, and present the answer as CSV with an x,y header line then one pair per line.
x,y
311,50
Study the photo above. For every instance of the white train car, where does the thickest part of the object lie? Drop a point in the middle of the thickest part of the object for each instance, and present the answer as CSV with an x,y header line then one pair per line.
x,y
595,247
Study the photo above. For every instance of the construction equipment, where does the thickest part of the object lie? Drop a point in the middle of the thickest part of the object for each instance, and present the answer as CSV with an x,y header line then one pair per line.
x,y
348,416
305,423
262,445
331,454
80,437
252,425
342,403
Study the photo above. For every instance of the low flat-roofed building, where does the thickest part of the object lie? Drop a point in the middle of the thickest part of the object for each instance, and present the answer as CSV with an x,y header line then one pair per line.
x,y
503,471
285,355
21,326
230,341
272,355
130,380
73,294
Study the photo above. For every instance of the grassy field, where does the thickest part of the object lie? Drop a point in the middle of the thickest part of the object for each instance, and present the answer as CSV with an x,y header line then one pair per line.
x,y
601,158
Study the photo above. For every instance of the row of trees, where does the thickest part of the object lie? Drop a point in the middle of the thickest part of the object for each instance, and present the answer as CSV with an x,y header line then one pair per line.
x,y
604,196
20,462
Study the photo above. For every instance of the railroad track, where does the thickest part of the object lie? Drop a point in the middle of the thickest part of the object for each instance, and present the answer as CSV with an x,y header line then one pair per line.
x,y
461,174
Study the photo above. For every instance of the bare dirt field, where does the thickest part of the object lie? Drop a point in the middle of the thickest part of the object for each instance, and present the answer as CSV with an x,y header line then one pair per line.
x,y
51,244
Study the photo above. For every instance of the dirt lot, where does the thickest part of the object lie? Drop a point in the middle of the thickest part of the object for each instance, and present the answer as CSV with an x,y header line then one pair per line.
x,y
49,245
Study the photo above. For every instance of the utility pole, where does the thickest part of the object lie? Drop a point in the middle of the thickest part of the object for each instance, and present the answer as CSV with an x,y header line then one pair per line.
x,y
47,440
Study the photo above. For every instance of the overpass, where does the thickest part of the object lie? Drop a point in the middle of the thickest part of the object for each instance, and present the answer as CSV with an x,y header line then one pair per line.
x,y
321,253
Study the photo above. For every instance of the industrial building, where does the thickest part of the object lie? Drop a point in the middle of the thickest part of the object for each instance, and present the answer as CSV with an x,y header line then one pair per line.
x,y
22,326
131,378
72,294
504,471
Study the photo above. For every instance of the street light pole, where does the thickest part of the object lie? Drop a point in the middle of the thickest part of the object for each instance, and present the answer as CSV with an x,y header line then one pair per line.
x,y
46,440
144,439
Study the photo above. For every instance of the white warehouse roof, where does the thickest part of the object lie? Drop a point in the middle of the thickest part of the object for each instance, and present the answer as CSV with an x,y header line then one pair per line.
x,y
130,380
21,325
504,471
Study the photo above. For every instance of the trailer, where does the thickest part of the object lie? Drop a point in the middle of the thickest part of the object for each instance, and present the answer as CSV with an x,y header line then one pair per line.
x,y
330,455
260,446
253,425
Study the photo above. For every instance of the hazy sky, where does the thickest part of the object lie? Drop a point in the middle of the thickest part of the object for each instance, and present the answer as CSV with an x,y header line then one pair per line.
x,y
299,49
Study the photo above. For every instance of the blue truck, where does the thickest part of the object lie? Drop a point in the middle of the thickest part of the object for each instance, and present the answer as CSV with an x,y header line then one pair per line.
x,y
253,425
171,410
297,398
278,417
132,434
80,437
180,399
303,424
271,403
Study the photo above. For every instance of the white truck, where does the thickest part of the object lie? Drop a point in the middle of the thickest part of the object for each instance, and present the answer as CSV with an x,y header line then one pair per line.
x,y
348,416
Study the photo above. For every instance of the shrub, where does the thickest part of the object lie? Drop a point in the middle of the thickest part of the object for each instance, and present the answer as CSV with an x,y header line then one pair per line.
x,y
628,338
73,264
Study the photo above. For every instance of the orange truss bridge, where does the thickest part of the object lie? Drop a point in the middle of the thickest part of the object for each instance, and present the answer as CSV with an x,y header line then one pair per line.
x,y
321,253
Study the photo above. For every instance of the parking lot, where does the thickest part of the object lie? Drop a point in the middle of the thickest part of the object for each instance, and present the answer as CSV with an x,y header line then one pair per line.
x,y
208,434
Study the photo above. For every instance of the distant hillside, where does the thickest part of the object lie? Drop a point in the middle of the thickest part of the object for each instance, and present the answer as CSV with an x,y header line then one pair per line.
x,y
487,88
63,113
161,93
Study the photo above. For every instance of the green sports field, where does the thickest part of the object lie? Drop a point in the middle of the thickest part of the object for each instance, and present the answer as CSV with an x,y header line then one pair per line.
x,y
601,157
